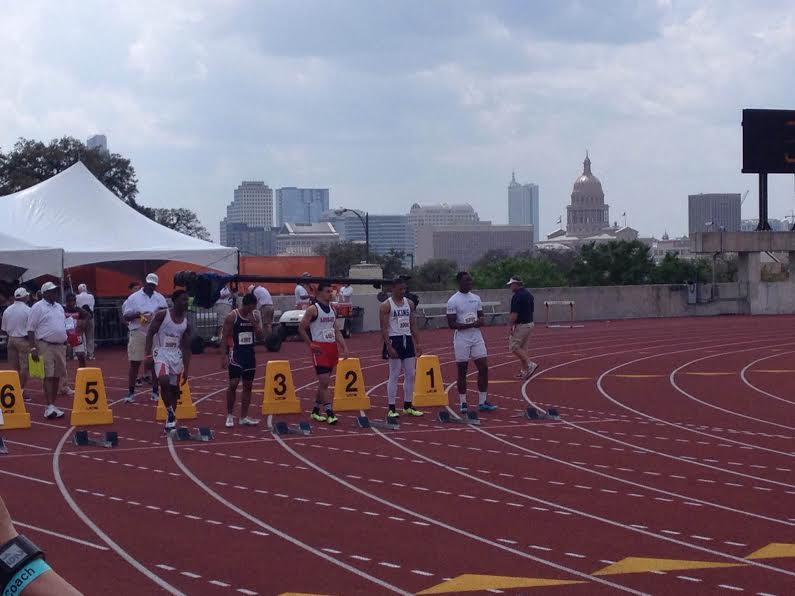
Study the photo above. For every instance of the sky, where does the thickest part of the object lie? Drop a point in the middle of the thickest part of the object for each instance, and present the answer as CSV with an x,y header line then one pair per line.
x,y
388,103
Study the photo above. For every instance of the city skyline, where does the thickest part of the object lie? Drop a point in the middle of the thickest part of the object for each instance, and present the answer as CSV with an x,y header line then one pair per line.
x,y
654,89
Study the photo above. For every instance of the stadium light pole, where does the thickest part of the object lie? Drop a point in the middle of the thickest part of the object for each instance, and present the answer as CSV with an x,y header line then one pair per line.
x,y
366,223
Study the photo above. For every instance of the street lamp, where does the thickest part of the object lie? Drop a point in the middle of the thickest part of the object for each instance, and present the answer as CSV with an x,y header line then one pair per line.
x,y
366,223
411,254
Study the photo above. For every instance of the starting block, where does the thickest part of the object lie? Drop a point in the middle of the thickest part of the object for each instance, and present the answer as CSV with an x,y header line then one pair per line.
x,y
471,417
203,433
533,413
3,448
282,428
111,439
389,423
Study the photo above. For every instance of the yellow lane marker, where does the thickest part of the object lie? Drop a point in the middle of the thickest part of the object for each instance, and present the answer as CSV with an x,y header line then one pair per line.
x,y
771,371
506,381
774,550
644,565
475,583
565,378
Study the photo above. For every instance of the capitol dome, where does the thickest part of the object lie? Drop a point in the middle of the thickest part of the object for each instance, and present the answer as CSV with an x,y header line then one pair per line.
x,y
587,186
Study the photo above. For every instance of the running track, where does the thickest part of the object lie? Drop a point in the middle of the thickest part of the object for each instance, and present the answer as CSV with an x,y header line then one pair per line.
x,y
676,443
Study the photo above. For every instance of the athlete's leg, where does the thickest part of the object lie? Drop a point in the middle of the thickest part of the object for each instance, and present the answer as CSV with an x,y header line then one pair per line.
x,y
231,394
245,397
395,366
409,372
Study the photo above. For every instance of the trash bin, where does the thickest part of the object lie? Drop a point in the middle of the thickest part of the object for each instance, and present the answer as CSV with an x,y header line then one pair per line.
x,y
692,292
357,319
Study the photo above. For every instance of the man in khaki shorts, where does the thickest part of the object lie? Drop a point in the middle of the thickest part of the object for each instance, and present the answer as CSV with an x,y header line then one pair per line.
x,y
521,321
15,325
139,310
47,340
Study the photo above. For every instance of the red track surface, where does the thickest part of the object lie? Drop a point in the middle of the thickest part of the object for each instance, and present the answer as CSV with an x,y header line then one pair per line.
x,y
657,455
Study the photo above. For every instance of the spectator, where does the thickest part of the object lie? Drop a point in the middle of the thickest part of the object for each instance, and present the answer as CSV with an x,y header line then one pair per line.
x,y
303,295
222,307
86,301
264,307
15,325
345,293
139,310
47,340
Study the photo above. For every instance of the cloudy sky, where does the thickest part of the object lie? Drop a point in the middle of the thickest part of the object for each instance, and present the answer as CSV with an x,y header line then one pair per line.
x,y
392,102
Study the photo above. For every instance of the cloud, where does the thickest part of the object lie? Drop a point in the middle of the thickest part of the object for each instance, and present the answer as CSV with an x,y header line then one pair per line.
x,y
390,103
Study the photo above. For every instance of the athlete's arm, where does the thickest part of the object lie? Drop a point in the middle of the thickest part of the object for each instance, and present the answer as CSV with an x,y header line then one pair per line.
x,y
47,584
226,333
481,320
384,312
303,327
415,334
154,327
341,343
184,346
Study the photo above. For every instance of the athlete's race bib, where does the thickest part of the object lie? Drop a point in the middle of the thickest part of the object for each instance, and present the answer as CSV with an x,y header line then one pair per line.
x,y
329,335
470,318
245,338
171,341
404,324
71,324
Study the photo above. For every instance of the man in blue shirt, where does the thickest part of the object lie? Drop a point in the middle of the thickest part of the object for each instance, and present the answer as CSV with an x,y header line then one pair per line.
x,y
521,321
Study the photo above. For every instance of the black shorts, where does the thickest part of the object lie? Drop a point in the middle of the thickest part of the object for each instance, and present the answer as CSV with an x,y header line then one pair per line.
x,y
404,346
242,364
323,370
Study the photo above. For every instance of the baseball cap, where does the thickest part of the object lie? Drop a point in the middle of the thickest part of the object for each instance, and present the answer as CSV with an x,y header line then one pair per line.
x,y
514,280
48,287
20,293
152,279
82,288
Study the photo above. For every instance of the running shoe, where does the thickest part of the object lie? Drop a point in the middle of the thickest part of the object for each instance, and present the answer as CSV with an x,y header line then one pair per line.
x,y
52,412
522,374
171,422
130,399
318,416
531,369
463,408
248,421
230,421
155,396
412,411
68,392
393,414
486,407
331,417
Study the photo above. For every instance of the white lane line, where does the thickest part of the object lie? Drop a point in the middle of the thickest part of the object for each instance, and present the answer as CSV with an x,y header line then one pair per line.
x,y
56,469
255,520
59,535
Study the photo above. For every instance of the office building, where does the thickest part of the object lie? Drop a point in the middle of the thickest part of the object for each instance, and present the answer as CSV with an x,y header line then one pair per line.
x,y
252,205
301,205
442,215
466,244
304,239
387,232
523,205
713,212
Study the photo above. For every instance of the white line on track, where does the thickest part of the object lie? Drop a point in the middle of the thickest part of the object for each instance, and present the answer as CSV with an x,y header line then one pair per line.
x,y
59,535
744,377
255,520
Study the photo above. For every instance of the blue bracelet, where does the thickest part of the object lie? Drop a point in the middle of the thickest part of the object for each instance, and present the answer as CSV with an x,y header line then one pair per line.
x,y
25,577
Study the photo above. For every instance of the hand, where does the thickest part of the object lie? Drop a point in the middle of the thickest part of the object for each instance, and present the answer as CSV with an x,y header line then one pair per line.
x,y
184,376
224,360
393,353
34,354
417,351
345,353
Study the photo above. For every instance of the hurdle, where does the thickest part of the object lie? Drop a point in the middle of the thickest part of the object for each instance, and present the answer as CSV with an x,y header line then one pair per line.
x,y
561,325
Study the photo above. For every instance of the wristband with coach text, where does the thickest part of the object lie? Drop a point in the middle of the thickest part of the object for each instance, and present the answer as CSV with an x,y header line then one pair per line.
x,y
25,577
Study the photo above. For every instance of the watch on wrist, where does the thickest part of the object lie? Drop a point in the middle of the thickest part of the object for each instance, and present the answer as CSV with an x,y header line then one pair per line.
x,y
14,555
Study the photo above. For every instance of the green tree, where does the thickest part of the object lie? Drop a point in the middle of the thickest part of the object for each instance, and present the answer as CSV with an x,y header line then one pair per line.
x,y
341,256
535,273
612,263
392,263
31,162
436,274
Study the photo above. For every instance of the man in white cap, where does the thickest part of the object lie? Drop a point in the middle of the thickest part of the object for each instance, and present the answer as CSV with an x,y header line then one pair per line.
x,y
47,340
303,297
521,325
138,311
15,325
87,302
264,307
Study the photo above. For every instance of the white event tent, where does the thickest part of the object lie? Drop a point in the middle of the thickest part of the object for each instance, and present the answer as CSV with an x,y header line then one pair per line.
x,y
75,211
22,260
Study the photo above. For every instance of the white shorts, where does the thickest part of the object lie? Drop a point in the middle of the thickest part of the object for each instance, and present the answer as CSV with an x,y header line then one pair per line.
x,y
80,349
469,348
168,362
